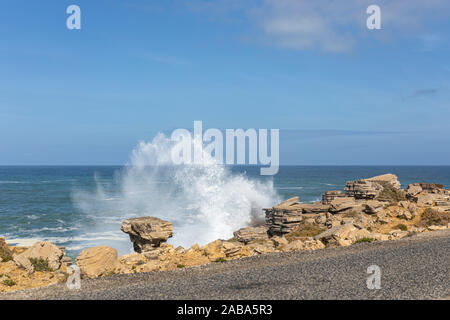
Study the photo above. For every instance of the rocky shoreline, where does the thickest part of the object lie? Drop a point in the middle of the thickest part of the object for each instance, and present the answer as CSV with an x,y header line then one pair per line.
x,y
373,209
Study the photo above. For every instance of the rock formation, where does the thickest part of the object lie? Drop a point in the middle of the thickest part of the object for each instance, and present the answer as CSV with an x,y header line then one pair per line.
x,y
331,195
97,261
245,235
372,187
147,233
285,217
45,253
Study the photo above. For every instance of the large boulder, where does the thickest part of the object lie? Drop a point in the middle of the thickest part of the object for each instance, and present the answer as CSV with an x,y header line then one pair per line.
x,y
147,233
245,235
41,252
97,261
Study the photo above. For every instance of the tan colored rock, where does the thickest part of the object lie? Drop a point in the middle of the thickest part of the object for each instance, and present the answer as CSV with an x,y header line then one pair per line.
x,y
397,234
363,189
261,247
314,208
333,221
234,250
245,235
363,221
193,257
435,228
346,220
405,214
129,263
321,219
370,188
413,190
132,258
383,220
359,234
279,241
331,195
194,248
41,250
344,204
213,250
373,206
389,178
309,245
429,199
414,229
431,187
287,216
288,203
341,235
379,236
6,253
147,233
425,199
97,261
414,209
293,246
282,221
22,280
313,245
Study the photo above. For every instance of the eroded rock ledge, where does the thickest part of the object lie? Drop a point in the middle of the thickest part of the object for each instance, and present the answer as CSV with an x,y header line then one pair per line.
x,y
372,209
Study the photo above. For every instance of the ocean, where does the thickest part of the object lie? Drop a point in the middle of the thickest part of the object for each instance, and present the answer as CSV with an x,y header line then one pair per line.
x,y
83,206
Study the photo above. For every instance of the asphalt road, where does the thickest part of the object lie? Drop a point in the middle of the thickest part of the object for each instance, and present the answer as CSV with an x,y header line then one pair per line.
x,y
412,268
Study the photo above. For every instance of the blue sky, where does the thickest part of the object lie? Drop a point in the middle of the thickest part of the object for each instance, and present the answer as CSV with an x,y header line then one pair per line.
x,y
340,93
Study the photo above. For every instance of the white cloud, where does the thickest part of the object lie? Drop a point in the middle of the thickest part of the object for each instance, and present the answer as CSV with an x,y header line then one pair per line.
x,y
333,25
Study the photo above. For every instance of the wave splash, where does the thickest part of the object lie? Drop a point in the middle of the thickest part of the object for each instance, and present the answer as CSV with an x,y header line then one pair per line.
x,y
204,201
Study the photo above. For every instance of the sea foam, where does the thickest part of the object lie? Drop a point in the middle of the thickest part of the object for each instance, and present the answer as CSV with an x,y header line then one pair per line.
x,y
204,201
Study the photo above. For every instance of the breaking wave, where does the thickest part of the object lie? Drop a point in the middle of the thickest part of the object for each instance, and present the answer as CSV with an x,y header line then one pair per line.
x,y
204,201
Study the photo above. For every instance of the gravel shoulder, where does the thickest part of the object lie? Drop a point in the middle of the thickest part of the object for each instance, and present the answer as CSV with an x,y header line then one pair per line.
x,y
412,268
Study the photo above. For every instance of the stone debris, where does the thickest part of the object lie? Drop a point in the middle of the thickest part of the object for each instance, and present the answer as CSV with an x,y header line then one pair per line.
x,y
372,187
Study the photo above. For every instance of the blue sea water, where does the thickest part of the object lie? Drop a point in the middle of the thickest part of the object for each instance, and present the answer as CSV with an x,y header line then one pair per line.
x,y
38,203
